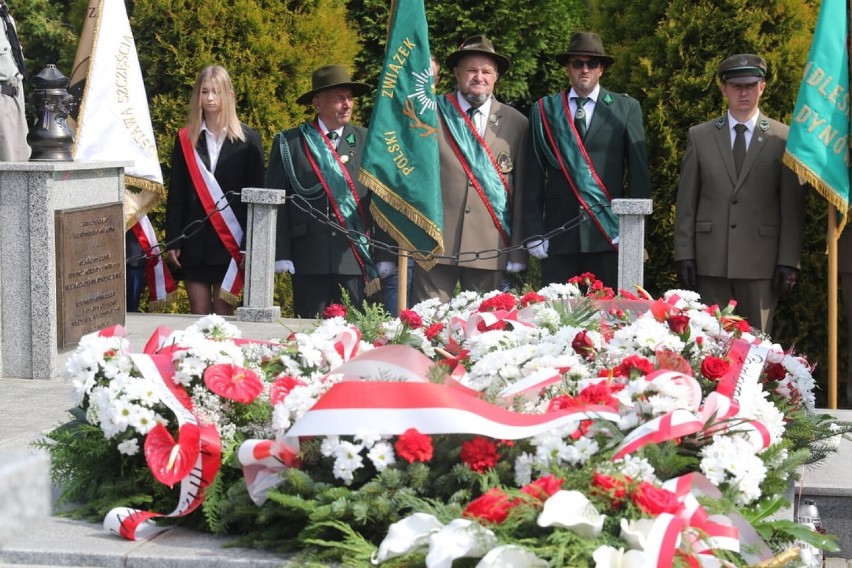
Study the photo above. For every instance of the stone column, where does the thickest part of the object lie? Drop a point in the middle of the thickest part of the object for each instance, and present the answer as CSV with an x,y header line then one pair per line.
x,y
260,256
631,240
31,194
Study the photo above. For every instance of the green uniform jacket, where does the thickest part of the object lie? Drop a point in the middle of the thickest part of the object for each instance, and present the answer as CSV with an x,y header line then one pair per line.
x,y
615,142
738,228
312,246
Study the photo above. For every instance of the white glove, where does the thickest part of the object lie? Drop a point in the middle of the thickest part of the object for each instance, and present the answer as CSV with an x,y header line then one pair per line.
x,y
515,266
284,266
538,248
385,268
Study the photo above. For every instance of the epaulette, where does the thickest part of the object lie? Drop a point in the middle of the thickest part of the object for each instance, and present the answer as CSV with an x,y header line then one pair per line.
x,y
720,122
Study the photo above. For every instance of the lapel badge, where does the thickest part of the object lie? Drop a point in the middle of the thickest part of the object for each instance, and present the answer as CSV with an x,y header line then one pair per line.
x,y
344,158
763,124
607,99
720,122
350,139
493,121
504,162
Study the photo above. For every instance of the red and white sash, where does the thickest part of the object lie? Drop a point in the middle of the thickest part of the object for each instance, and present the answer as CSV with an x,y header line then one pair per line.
x,y
161,285
224,221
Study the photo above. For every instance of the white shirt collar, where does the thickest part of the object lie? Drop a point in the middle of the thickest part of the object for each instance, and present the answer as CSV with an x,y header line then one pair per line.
x,y
593,96
750,123
326,130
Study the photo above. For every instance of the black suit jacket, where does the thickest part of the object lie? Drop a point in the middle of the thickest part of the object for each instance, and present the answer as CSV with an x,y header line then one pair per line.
x,y
240,165
313,246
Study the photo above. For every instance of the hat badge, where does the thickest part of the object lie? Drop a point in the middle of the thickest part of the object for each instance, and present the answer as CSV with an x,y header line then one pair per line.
x,y
743,61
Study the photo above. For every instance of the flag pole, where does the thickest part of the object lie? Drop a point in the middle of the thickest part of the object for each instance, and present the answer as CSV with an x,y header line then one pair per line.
x,y
832,307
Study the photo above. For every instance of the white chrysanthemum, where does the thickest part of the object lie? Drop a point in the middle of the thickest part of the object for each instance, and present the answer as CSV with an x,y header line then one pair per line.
x,y
686,299
129,447
546,316
636,468
731,460
523,468
142,419
767,414
381,455
215,326
561,292
801,379
329,445
367,437
585,449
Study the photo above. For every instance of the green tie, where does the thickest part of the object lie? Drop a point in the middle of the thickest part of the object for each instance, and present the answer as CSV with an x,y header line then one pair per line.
x,y
580,116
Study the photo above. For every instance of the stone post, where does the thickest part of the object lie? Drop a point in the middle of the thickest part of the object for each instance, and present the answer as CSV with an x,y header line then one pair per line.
x,y
631,240
260,254
32,195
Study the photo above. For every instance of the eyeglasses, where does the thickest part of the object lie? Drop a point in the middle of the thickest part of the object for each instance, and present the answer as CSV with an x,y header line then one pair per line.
x,y
590,63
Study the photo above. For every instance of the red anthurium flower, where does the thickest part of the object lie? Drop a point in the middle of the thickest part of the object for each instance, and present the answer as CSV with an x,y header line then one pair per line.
x,y
232,382
480,454
168,460
282,387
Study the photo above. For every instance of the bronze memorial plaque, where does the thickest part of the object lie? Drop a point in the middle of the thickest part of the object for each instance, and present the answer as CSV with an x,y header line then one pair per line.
x,y
89,271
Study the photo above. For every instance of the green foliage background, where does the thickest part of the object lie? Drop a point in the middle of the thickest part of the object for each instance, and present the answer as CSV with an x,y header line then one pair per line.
x,y
666,51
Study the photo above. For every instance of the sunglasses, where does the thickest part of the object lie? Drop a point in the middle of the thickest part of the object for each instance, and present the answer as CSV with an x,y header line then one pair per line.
x,y
591,63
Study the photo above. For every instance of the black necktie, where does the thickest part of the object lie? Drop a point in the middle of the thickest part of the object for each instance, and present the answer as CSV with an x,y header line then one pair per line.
x,y
471,113
17,54
580,116
333,136
739,147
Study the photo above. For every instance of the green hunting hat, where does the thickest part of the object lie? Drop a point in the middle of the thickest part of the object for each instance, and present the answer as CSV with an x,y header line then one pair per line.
x,y
329,77
587,44
743,68
479,45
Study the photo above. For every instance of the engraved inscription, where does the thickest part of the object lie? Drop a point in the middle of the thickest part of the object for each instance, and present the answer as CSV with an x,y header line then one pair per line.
x,y
89,270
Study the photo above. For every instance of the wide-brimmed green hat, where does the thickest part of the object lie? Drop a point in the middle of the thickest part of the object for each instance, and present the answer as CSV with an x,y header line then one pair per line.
x,y
329,77
479,45
588,44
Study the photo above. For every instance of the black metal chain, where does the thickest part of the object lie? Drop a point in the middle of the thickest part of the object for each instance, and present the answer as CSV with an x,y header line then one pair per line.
x,y
323,218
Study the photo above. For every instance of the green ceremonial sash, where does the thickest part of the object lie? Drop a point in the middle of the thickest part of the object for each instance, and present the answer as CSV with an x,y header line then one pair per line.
x,y
341,192
550,118
479,165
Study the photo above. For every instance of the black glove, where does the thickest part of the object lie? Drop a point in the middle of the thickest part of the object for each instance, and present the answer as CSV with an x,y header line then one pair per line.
x,y
784,279
687,273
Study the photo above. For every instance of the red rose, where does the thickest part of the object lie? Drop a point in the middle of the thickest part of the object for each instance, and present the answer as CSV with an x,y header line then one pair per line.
x,y
655,500
334,311
531,298
582,345
678,323
414,446
775,372
543,487
411,318
714,367
433,330
282,387
493,506
480,454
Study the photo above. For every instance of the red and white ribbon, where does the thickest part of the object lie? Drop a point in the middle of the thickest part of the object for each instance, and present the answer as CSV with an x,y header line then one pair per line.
x,y
161,285
134,524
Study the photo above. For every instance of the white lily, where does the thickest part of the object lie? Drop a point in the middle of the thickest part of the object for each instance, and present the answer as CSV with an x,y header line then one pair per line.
x,y
407,535
609,557
636,532
459,539
510,556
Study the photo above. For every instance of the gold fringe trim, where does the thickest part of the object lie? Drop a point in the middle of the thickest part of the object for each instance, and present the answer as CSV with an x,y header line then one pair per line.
x,y
372,287
145,185
827,192
159,306
416,217
228,297
779,561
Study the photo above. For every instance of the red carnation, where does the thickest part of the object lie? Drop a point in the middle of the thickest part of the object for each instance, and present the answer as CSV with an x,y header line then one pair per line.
x,y
600,394
633,363
655,500
414,446
480,454
614,488
562,402
411,318
532,298
502,301
334,311
714,367
543,487
493,506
